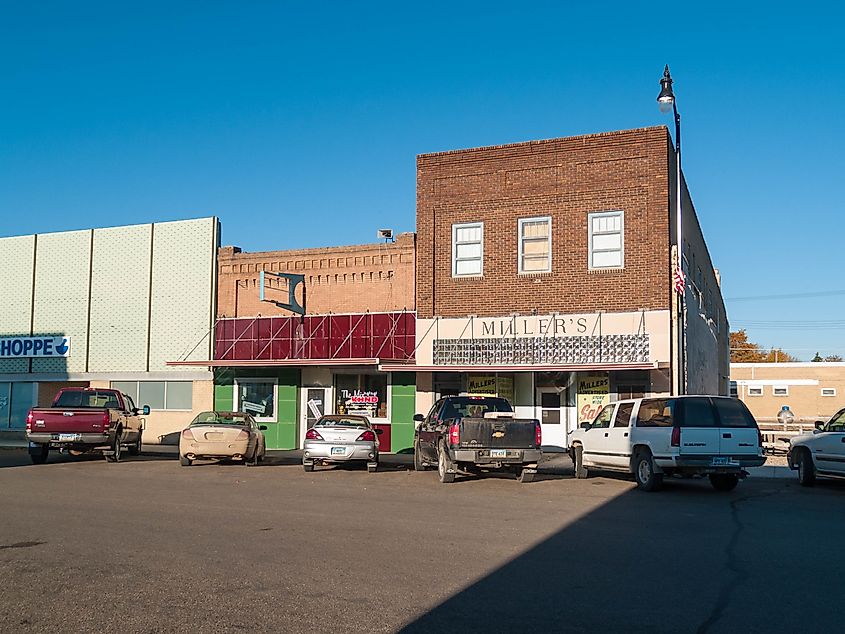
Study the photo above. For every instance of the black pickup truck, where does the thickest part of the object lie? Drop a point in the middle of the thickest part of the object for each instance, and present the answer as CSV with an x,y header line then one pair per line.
x,y
471,434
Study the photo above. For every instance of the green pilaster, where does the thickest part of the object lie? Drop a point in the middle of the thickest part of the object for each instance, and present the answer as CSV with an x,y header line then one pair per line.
x,y
403,403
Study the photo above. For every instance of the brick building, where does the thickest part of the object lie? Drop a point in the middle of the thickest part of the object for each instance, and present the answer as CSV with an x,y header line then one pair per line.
x,y
544,274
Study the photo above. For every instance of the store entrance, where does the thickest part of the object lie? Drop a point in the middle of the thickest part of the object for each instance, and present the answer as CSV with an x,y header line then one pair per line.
x,y
554,415
316,402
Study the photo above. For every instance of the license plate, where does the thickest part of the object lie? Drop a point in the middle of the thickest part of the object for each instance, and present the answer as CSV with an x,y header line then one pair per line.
x,y
723,461
68,437
338,451
498,453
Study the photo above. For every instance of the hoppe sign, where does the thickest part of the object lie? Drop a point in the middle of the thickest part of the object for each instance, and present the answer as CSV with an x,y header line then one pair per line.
x,y
34,347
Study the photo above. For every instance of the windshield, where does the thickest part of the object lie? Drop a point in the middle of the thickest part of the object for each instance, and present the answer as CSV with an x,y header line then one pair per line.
x,y
342,421
837,422
87,398
473,407
221,418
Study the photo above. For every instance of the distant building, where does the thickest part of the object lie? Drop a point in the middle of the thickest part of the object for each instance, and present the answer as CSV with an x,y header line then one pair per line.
x,y
813,391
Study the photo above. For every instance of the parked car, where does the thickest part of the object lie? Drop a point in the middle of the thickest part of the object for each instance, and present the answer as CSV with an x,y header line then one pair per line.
x,y
222,435
83,420
657,437
341,438
821,453
472,434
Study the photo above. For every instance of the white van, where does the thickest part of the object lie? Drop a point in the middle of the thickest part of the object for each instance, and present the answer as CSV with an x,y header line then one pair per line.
x,y
666,436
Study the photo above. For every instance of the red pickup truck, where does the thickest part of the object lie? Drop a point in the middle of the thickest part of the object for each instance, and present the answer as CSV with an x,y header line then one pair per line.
x,y
85,419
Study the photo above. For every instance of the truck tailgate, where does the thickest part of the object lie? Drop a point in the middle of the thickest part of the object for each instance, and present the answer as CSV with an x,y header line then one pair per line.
x,y
501,433
67,420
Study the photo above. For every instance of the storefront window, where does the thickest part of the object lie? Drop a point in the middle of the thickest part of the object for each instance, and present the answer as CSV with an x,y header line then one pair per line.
x,y
361,394
257,397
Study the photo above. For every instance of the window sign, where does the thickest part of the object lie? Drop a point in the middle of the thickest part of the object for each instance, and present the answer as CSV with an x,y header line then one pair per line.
x,y
361,395
593,395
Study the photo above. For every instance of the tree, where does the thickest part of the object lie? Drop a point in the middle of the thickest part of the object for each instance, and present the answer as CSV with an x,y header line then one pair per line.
x,y
744,351
817,358
831,358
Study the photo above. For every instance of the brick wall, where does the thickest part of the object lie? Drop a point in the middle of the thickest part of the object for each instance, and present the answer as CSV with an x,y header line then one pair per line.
x,y
562,178
352,279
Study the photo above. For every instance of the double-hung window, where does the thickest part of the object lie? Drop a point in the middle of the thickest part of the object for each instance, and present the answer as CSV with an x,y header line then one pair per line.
x,y
535,245
468,249
607,244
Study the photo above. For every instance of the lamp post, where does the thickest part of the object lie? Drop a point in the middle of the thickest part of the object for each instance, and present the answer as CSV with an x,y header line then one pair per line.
x,y
666,101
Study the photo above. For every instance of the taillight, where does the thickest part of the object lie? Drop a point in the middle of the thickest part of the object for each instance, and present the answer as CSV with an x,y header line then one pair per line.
x,y
454,434
106,421
676,436
538,435
187,434
243,435
29,419
367,436
313,434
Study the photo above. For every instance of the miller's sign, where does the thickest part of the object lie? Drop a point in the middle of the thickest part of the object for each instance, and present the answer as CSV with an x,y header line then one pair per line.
x,y
532,326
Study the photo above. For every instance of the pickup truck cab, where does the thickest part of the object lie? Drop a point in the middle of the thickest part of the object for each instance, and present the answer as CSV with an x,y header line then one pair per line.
x,y
821,453
83,420
684,435
470,434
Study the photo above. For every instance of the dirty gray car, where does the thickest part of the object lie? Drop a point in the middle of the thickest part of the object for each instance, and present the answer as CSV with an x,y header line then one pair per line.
x,y
341,438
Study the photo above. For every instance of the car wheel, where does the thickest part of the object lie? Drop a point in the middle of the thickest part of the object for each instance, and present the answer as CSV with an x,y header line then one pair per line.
x,y
185,462
647,479
308,466
419,465
525,475
724,481
806,469
254,461
135,449
39,453
116,448
445,468
578,462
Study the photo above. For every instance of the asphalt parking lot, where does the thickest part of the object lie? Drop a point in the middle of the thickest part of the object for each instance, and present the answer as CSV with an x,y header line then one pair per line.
x,y
149,546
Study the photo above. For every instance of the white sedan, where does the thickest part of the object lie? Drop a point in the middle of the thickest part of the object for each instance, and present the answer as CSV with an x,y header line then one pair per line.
x,y
821,453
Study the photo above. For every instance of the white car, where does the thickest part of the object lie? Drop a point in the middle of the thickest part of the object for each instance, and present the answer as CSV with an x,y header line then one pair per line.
x,y
666,436
821,452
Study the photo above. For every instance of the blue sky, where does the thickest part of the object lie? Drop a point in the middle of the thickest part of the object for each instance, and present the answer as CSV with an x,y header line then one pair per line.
x,y
298,123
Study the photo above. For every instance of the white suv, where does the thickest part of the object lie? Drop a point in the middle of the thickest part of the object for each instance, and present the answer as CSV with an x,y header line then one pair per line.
x,y
821,452
679,435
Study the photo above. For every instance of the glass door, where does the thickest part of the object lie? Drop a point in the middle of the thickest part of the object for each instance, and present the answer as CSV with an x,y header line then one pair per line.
x,y
316,403
552,413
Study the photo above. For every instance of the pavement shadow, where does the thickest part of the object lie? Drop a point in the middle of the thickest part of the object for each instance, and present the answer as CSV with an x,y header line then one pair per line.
x,y
631,566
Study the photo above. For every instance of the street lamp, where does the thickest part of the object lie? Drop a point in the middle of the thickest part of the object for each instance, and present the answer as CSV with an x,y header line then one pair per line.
x,y
666,101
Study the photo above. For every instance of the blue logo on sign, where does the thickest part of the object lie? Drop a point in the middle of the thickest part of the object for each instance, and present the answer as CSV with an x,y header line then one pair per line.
x,y
62,347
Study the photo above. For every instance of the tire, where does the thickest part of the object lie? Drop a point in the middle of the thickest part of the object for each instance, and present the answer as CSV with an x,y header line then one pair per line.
x,y
39,454
444,464
806,469
135,449
578,462
185,462
647,479
419,465
526,475
116,447
308,466
255,458
724,481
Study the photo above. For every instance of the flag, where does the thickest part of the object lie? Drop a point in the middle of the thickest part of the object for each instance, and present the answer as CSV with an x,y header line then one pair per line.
x,y
679,281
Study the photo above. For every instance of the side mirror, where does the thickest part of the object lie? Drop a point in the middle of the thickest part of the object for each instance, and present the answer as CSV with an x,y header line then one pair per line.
x,y
379,432
819,424
585,425
419,418
145,410
262,427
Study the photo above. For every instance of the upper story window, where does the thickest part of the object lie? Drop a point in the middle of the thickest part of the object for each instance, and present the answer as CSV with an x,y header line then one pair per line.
x,y
535,245
607,245
468,249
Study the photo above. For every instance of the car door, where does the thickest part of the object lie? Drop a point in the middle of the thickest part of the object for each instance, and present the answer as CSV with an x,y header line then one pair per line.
x,y
829,445
619,436
596,439
427,433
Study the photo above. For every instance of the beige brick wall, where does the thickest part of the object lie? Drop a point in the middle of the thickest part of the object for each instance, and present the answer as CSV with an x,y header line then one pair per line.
x,y
351,279
805,401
